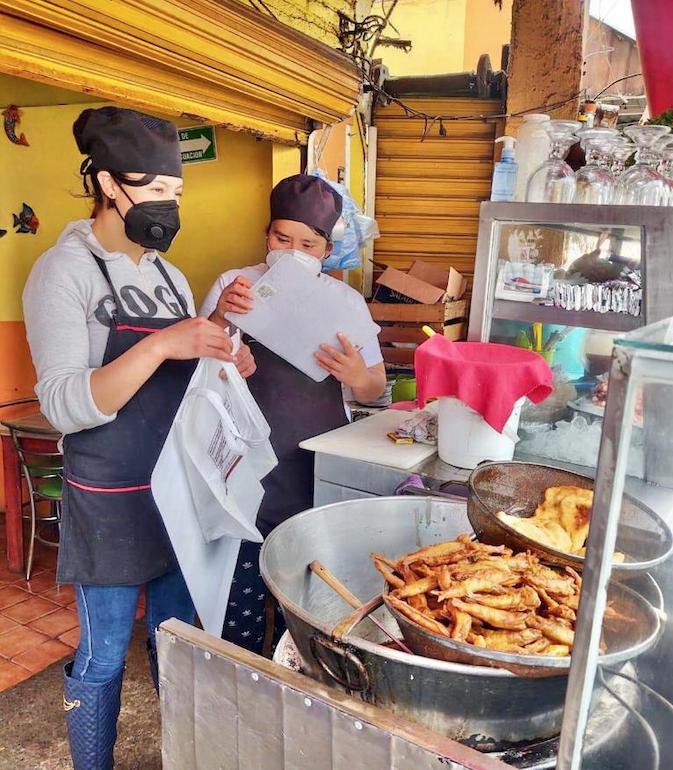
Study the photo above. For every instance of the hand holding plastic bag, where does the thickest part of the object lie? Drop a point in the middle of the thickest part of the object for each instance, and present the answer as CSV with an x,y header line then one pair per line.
x,y
224,440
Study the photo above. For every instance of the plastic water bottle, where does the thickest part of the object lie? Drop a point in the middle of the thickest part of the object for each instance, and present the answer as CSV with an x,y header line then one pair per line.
x,y
532,150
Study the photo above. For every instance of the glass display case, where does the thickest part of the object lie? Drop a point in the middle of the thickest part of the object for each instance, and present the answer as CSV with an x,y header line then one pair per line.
x,y
640,692
566,281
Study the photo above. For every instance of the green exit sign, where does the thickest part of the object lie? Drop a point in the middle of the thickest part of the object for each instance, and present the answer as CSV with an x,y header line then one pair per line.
x,y
197,144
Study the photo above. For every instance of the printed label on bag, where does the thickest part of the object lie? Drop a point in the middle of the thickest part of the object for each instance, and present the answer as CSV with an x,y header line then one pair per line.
x,y
221,454
265,291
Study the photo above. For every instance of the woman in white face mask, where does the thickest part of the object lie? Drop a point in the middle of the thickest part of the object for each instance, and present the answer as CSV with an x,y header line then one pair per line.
x,y
304,211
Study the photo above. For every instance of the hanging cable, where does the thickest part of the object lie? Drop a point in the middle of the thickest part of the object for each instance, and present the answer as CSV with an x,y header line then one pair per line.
x,y
265,7
430,120
619,80
386,21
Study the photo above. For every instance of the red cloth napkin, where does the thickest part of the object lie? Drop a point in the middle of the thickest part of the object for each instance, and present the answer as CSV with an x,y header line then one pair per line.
x,y
488,377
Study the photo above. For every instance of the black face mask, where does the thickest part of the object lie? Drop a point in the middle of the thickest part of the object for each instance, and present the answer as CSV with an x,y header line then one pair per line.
x,y
152,224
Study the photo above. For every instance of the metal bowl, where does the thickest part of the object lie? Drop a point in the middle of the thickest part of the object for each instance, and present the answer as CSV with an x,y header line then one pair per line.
x,y
630,640
643,537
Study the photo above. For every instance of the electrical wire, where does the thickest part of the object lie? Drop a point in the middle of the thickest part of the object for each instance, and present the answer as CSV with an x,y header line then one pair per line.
x,y
362,134
619,80
386,21
264,6
370,29
431,119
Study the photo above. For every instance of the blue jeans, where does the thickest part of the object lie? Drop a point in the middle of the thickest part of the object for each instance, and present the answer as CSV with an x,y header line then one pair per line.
x,y
107,615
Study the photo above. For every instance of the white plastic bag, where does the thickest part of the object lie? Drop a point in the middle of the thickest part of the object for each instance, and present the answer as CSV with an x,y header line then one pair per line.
x,y
206,483
224,441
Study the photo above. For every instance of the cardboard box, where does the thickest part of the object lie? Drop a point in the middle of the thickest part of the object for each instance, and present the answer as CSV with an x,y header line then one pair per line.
x,y
401,323
450,280
395,286
424,283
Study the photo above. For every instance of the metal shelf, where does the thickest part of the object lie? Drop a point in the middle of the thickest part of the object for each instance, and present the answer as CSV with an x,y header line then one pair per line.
x,y
506,310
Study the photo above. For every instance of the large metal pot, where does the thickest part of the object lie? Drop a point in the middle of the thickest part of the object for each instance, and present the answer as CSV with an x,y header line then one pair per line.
x,y
484,707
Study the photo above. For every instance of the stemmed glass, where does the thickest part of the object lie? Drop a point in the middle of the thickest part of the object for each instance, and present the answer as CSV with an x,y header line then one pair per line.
x,y
594,183
666,168
643,184
554,180
621,149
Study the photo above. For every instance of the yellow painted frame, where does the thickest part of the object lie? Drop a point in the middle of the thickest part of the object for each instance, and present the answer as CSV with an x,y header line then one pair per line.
x,y
208,60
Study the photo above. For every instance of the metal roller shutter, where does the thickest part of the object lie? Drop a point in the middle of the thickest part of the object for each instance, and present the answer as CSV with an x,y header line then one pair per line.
x,y
428,191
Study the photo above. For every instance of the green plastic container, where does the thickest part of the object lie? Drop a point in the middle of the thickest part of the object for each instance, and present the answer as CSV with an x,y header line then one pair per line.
x,y
404,388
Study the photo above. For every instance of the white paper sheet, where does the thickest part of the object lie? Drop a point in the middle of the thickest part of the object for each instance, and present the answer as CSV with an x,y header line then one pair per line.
x,y
296,311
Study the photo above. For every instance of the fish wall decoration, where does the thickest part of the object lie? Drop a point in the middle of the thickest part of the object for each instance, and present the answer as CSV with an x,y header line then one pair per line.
x,y
26,221
12,118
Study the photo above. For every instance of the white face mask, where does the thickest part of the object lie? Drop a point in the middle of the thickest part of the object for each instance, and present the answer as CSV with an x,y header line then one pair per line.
x,y
314,264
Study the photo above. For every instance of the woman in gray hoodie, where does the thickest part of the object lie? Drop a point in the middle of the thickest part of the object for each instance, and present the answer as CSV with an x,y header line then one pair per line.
x,y
114,341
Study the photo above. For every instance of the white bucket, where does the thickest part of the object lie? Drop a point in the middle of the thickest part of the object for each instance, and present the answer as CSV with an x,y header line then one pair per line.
x,y
465,439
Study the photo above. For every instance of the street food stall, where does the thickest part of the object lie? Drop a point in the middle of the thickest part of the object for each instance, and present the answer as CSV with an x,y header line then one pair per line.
x,y
458,604
519,709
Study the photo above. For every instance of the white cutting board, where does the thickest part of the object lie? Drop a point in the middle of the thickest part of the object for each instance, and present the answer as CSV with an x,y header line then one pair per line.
x,y
366,440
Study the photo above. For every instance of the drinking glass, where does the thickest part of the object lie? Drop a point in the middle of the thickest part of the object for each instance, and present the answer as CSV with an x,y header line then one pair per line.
x,y
666,168
594,182
643,184
620,150
554,180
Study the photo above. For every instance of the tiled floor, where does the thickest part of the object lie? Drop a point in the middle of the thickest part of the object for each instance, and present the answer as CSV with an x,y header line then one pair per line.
x,y
38,619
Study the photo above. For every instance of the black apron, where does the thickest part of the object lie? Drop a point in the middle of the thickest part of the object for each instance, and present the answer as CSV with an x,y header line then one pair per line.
x,y
296,408
112,532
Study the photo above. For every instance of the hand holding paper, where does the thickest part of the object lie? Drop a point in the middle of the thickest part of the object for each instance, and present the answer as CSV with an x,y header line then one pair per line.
x,y
297,311
345,365
237,297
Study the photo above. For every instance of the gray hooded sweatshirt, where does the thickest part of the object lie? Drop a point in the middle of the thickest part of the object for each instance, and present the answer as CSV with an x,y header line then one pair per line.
x,y
67,306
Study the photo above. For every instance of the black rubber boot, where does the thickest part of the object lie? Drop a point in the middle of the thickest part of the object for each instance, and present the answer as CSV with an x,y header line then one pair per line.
x,y
154,664
91,712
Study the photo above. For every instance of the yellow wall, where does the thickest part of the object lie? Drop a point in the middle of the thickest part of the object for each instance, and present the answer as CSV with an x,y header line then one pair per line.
x,y
446,35
44,175
317,18
487,29
224,211
286,162
436,29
